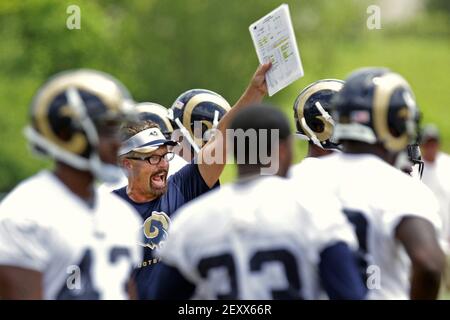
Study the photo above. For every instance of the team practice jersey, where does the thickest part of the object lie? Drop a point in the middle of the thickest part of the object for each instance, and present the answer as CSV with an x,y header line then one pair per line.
x,y
299,166
437,177
82,252
257,239
375,198
182,187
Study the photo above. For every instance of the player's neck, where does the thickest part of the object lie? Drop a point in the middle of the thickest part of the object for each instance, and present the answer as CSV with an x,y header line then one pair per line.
x,y
364,148
138,194
317,152
81,183
249,171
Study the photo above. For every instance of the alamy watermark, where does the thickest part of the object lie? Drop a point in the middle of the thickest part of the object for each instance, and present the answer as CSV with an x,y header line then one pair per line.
x,y
73,21
373,281
250,147
73,281
374,20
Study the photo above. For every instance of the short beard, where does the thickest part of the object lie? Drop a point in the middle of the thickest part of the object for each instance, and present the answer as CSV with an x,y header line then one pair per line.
x,y
157,191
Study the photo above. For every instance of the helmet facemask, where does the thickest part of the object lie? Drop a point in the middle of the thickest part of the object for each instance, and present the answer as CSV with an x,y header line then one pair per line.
x,y
415,157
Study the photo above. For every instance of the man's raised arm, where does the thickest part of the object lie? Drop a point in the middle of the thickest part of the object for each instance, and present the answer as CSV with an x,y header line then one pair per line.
x,y
255,92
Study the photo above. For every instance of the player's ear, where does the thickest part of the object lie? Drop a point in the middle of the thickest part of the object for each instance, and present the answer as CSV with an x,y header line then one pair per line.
x,y
125,163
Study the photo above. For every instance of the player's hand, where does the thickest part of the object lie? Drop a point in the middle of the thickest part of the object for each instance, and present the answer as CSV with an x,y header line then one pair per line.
x,y
258,81
255,92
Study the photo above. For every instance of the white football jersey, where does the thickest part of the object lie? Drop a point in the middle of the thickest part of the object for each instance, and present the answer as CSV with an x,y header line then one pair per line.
x,y
257,239
174,166
82,252
437,177
375,197
299,166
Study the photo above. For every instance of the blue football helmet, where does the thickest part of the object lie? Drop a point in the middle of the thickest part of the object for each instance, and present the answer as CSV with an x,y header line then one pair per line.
x,y
314,113
199,106
377,106
67,113
157,114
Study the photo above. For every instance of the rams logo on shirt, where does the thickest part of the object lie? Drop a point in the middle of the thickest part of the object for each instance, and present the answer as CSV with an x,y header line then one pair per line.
x,y
155,228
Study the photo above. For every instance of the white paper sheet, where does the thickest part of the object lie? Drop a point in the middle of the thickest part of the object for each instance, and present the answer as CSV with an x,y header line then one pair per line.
x,y
274,40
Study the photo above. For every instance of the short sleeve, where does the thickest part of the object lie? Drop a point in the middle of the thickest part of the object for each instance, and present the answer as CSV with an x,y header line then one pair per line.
x,y
138,252
415,200
176,164
25,244
328,223
174,251
129,221
134,230
190,182
336,230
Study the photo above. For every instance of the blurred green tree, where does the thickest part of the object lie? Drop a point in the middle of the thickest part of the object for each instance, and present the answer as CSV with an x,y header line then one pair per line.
x,y
159,49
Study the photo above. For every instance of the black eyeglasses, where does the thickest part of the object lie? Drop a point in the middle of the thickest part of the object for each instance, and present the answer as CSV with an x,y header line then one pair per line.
x,y
155,158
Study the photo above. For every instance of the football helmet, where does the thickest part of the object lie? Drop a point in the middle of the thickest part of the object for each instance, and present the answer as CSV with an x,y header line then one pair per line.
x,y
313,112
67,113
156,113
199,106
377,105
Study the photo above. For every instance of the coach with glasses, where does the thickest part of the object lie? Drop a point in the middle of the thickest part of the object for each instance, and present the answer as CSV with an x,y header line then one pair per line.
x,y
145,157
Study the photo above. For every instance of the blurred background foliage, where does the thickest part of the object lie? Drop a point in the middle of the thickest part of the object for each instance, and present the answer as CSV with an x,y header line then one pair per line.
x,y
159,49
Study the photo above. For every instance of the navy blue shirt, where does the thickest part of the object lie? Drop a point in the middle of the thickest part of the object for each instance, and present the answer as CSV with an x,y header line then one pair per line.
x,y
182,187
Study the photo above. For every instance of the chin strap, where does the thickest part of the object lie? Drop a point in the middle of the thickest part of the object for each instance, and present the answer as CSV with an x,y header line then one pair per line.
x,y
216,119
186,134
311,135
209,134
324,114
